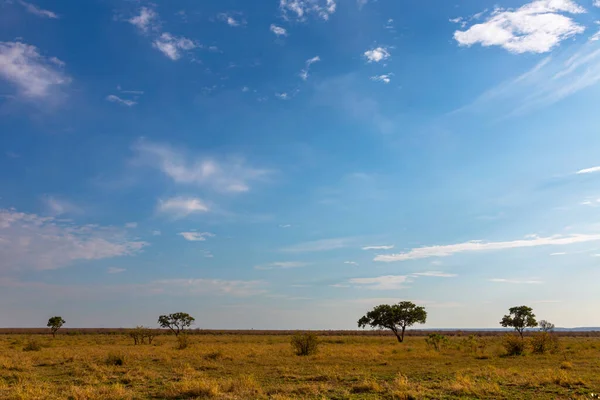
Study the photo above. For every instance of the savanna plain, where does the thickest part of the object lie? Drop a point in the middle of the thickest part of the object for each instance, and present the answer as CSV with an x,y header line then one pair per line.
x,y
109,365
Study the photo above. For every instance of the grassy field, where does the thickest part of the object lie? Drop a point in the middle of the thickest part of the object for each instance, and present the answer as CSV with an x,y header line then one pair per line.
x,y
108,367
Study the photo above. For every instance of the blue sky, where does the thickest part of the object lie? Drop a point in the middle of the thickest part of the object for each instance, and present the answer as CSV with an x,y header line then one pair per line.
x,y
293,163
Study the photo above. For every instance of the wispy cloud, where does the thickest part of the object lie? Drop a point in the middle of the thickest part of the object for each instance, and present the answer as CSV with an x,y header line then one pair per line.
x,y
34,75
285,226
591,170
131,225
351,263
147,20
29,241
361,3
389,282
171,46
57,206
320,245
301,9
378,247
230,175
385,78
536,27
116,99
281,265
377,54
35,10
309,62
517,281
478,245
435,274
196,236
114,270
181,207
230,19
277,30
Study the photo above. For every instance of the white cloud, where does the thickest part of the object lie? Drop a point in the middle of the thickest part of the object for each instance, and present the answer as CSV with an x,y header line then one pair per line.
x,y
588,170
277,30
517,281
389,282
230,20
146,20
435,274
196,236
28,241
282,96
536,27
116,99
478,245
596,3
182,206
361,3
350,262
319,245
33,9
377,54
300,9
309,62
58,206
558,254
114,270
171,46
378,247
386,78
156,232
230,175
281,265
285,226
205,287
33,74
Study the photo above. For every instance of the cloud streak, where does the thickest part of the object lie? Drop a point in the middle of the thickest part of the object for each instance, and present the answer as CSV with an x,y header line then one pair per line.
x,y
479,246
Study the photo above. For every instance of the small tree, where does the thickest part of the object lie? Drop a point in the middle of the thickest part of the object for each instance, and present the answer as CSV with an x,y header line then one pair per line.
x,y
546,326
520,318
55,323
396,317
176,322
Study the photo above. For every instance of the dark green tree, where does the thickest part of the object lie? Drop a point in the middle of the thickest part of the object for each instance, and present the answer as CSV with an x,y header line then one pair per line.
x,y
176,322
520,318
396,317
55,323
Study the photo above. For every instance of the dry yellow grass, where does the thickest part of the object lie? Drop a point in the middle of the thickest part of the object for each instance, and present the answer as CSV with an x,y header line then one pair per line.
x,y
110,367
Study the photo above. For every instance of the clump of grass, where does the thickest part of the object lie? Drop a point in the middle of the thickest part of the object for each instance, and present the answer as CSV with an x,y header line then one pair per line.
x,y
115,359
566,365
192,388
32,345
183,342
214,355
305,344
367,386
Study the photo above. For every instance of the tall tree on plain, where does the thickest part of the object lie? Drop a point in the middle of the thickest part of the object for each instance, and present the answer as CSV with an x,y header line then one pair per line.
x,y
55,323
395,317
176,322
520,318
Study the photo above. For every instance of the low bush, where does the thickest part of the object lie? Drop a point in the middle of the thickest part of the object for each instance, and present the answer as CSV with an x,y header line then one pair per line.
x,y
305,344
514,345
115,359
183,342
544,342
436,341
32,345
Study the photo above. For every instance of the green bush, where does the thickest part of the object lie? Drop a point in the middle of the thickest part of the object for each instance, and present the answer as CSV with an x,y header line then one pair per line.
x,y
544,342
514,345
436,341
305,344
182,341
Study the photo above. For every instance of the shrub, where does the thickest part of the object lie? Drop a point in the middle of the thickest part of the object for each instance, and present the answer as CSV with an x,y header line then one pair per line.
x,y
566,365
140,334
182,342
305,344
214,355
544,342
436,341
115,359
32,345
514,345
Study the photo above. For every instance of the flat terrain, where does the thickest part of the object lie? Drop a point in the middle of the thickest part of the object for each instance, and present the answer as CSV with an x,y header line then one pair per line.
x,y
99,366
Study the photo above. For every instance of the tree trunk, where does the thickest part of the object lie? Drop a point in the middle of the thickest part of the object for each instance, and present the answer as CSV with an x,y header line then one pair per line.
x,y
403,329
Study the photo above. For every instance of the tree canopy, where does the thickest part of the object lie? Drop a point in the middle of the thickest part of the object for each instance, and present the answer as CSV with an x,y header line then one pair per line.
x,y
395,317
176,322
520,318
55,323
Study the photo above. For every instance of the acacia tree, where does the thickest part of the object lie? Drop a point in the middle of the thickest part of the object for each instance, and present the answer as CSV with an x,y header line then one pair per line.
x,y
55,323
176,322
395,317
520,318
546,326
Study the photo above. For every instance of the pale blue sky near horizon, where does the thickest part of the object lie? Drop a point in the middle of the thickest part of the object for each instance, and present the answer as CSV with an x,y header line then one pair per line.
x,y
290,164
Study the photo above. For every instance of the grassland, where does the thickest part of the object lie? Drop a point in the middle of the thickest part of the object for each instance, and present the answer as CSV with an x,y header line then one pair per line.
x,y
98,366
